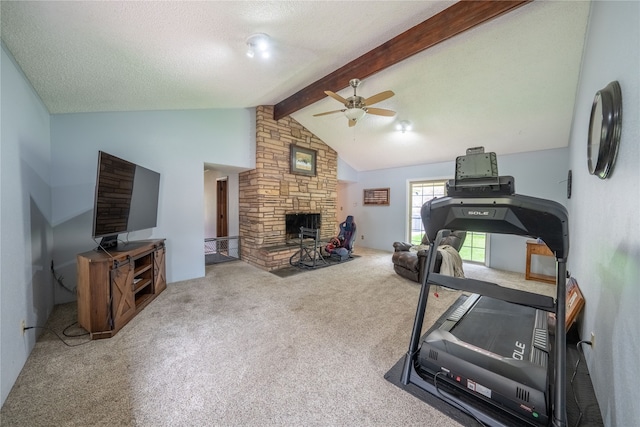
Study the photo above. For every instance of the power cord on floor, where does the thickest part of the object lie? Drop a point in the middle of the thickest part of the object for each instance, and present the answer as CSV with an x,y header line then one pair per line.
x,y
575,371
59,280
64,332
56,334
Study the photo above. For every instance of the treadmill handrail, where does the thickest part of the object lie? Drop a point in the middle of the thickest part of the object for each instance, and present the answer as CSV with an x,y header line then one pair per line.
x,y
493,290
507,214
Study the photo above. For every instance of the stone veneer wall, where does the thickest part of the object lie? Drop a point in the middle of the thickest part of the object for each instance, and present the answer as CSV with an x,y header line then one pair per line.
x,y
270,191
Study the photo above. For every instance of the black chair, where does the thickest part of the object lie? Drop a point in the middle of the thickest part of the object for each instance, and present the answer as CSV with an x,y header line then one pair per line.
x,y
342,245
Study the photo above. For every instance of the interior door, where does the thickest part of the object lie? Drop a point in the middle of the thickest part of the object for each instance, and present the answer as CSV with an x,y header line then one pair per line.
x,y
221,210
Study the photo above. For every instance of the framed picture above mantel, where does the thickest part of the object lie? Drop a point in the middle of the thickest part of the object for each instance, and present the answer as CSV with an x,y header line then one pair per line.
x,y
303,161
376,196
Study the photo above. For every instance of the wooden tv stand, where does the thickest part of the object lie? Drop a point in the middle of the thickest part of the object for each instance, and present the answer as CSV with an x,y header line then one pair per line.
x,y
113,287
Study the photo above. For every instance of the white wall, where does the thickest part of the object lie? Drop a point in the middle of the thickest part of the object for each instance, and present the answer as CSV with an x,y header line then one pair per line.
x,y
605,232
540,174
26,288
174,143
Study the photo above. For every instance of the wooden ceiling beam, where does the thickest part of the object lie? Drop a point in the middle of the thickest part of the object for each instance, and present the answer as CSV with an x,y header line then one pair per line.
x,y
452,21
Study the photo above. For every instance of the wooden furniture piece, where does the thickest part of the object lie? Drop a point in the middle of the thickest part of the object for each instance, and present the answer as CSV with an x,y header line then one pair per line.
x,y
575,301
535,248
113,287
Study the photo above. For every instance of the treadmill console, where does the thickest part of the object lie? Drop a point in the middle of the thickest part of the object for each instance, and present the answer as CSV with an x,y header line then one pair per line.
x,y
477,174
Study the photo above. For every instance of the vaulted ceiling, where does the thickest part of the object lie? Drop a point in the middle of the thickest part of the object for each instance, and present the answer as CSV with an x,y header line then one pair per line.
x,y
508,84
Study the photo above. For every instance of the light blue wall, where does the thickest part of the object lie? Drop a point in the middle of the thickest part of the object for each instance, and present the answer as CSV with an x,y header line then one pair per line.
x,y
345,172
174,143
26,288
379,226
48,176
604,226
540,174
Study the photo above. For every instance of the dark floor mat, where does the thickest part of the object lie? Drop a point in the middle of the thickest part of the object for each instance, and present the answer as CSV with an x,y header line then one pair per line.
x,y
292,271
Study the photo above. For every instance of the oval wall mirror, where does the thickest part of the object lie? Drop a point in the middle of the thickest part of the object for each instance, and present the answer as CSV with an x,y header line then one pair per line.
x,y
604,130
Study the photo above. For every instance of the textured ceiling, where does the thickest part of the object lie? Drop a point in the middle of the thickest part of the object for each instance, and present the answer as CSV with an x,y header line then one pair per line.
x,y
508,85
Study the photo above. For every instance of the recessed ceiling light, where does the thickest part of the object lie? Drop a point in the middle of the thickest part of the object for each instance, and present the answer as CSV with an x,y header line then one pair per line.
x,y
260,44
404,126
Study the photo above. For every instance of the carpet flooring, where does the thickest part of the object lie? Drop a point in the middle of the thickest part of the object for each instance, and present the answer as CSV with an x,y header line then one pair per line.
x,y
240,347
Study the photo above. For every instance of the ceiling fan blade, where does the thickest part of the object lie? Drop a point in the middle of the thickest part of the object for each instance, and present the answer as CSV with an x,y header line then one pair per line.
x,y
328,112
381,112
335,96
352,123
379,97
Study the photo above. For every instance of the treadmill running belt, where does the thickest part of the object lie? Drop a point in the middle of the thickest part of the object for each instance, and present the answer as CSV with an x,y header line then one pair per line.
x,y
495,325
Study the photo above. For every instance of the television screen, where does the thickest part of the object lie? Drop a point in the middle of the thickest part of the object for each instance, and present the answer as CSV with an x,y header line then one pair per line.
x,y
143,210
126,198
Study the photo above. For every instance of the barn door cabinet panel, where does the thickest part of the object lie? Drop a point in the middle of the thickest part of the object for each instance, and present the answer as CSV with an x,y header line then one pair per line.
x,y
113,288
159,270
122,306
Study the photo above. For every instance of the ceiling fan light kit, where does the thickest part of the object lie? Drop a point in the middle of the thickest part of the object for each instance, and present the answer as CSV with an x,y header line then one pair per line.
x,y
258,43
354,114
356,107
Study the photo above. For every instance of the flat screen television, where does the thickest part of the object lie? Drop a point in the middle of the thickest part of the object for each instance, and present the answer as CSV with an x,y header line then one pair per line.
x,y
126,199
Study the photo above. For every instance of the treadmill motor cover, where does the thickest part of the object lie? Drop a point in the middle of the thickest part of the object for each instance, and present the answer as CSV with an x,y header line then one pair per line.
x,y
497,352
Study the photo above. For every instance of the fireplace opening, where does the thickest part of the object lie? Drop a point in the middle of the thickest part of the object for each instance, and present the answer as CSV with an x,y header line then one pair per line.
x,y
294,221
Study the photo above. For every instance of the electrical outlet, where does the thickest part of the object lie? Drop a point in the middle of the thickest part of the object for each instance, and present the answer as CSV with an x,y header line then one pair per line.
x,y
593,339
362,237
23,326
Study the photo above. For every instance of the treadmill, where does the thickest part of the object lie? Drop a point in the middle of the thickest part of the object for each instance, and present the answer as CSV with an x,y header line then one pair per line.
x,y
496,351
499,371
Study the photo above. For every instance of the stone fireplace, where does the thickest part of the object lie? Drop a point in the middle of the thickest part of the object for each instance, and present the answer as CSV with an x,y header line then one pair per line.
x,y
270,191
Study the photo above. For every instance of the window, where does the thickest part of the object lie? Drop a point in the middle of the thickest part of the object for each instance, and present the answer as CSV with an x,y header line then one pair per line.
x,y
421,192
474,246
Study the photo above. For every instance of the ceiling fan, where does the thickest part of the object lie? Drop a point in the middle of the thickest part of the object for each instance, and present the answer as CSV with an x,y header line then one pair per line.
x,y
357,106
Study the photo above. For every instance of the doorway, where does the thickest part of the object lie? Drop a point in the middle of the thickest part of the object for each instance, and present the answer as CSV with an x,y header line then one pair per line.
x,y
222,221
220,215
